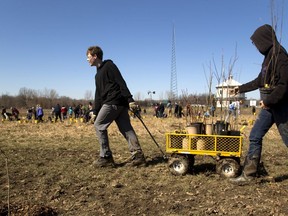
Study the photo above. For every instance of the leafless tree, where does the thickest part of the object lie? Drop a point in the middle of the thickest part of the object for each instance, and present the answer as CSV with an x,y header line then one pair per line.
x,y
88,95
209,80
138,96
26,97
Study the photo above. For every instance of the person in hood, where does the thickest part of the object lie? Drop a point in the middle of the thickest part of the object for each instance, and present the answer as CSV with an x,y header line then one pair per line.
x,y
272,82
112,101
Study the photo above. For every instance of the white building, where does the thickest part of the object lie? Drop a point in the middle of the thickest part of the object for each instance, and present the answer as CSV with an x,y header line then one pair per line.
x,y
223,92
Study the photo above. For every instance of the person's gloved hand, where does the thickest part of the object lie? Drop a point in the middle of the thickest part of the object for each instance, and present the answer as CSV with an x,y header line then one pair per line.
x,y
132,106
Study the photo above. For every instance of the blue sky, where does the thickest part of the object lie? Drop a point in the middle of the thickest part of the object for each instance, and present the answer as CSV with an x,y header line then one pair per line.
x,y
43,43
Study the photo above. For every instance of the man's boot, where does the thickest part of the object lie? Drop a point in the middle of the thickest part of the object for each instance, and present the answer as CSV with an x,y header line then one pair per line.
x,y
249,170
137,160
104,162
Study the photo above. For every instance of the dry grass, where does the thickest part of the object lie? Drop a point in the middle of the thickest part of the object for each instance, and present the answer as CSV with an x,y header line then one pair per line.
x,y
50,173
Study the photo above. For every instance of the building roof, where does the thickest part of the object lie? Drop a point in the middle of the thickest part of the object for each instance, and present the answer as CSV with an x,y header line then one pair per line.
x,y
230,82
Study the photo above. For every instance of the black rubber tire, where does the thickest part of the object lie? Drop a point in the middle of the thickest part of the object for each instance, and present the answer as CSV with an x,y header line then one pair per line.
x,y
228,167
178,165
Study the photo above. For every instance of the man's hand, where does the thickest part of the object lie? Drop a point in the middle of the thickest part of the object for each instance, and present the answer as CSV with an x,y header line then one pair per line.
x,y
234,91
132,106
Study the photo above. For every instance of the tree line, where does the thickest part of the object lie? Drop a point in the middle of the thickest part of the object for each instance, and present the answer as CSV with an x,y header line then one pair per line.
x,y
29,98
48,98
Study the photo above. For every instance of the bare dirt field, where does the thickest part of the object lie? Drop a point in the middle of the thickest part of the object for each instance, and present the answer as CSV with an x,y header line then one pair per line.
x,y
46,169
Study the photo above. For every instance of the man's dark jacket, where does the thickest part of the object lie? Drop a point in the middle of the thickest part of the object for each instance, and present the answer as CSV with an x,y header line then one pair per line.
x,y
111,88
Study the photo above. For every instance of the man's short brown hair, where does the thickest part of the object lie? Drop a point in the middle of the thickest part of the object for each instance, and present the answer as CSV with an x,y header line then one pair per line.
x,y
95,50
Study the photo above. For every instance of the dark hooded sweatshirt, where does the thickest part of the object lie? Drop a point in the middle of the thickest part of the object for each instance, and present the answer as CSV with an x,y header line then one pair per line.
x,y
274,72
111,88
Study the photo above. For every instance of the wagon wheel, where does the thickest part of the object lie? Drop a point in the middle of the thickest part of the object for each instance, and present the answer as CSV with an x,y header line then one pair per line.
x,y
178,164
228,167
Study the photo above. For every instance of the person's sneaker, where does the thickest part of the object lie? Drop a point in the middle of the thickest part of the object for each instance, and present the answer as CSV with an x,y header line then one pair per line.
x,y
137,160
104,162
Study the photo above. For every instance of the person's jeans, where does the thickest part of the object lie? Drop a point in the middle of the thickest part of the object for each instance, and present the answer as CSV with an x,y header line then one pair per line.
x,y
265,120
119,114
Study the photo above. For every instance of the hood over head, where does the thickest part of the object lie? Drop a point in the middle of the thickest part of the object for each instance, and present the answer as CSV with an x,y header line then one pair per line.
x,y
263,38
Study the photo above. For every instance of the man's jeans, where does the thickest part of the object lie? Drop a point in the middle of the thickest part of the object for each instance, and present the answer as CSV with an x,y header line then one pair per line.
x,y
119,114
265,120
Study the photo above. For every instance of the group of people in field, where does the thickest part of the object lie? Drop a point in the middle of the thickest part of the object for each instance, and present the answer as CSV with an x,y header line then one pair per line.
x,y
10,115
159,110
36,113
162,110
80,111
32,113
57,113
61,113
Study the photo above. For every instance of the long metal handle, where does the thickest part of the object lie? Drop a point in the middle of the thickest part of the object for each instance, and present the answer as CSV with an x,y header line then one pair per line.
x,y
136,114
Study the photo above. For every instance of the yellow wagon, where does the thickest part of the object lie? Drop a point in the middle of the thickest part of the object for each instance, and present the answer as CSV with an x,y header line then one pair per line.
x,y
226,149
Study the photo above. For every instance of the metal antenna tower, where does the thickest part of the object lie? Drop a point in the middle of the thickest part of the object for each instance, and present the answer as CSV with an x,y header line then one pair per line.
x,y
173,81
